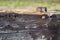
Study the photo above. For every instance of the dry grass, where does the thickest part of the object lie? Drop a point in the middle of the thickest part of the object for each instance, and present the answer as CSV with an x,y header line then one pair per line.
x,y
29,4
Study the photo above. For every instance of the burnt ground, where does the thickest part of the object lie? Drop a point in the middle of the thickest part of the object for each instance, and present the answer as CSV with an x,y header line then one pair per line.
x,y
15,26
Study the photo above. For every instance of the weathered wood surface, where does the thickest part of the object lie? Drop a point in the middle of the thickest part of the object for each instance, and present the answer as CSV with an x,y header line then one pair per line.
x,y
14,26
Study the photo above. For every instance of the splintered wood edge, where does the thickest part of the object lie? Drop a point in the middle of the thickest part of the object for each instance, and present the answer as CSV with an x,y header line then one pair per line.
x,y
27,12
